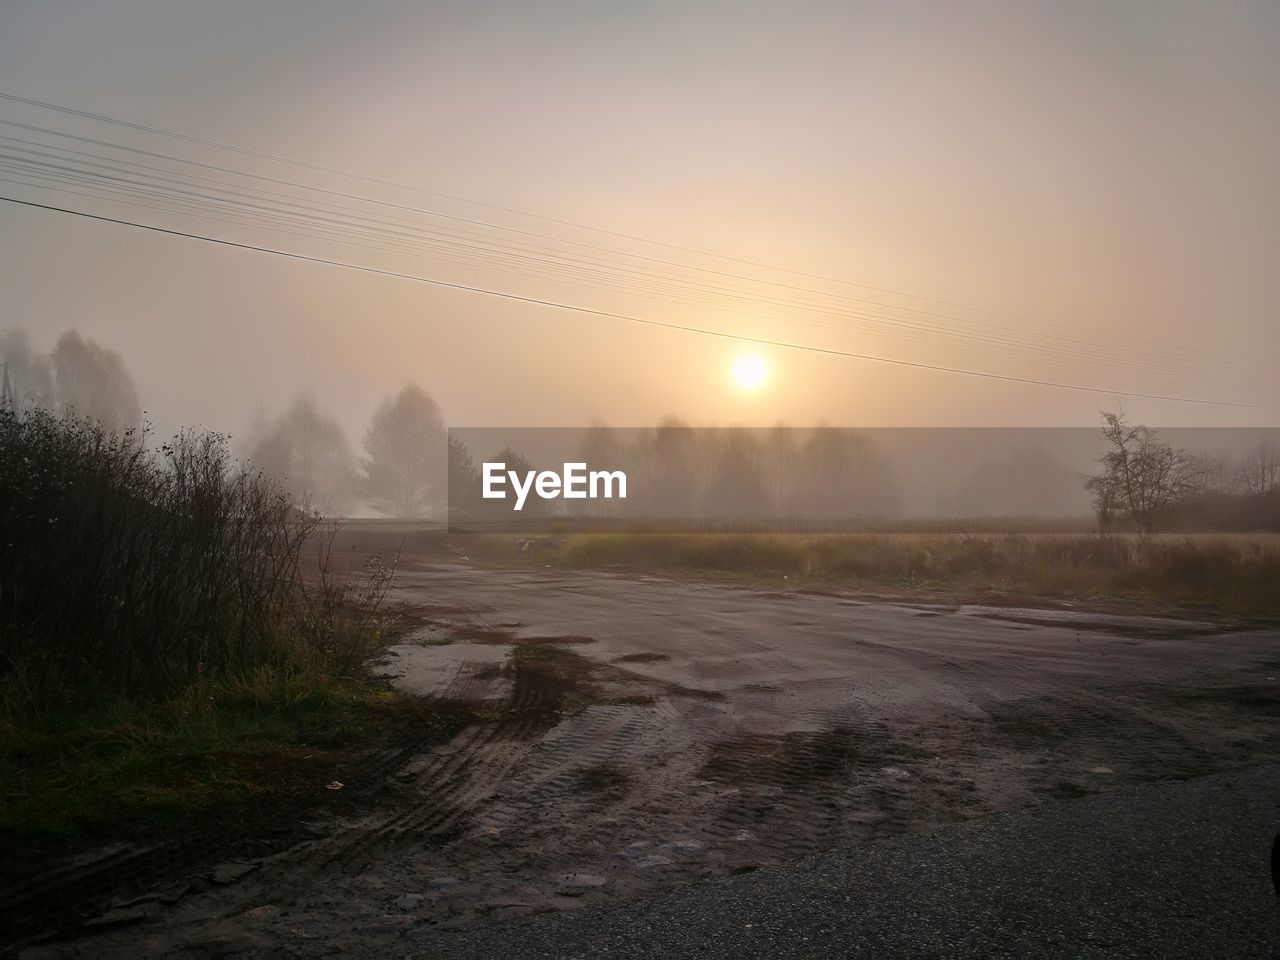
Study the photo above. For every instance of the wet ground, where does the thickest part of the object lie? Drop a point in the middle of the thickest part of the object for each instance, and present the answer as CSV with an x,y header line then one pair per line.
x,y
630,734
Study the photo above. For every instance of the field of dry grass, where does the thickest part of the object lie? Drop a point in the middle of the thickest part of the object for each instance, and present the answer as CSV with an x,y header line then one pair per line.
x,y
1230,573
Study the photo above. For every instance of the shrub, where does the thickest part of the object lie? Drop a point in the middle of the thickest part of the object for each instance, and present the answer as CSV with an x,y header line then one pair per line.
x,y
134,573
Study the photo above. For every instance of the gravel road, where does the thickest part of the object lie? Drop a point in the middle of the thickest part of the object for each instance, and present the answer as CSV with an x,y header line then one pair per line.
x,y
632,736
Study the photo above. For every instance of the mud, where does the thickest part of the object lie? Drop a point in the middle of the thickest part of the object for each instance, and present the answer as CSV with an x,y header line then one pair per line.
x,y
633,733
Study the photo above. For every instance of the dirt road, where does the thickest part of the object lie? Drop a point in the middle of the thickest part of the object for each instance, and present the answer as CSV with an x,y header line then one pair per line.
x,y
629,734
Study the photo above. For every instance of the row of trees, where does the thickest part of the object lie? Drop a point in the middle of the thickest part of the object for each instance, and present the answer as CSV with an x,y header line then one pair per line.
x,y
411,465
402,472
1152,484
675,471
77,376
408,464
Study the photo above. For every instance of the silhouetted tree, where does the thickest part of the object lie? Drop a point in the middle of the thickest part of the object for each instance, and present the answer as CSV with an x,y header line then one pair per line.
x,y
93,382
826,475
780,460
533,505
1104,496
1141,475
463,482
1259,469
839,474
737,490
405,471
673,483
601,450
1211,475
307,452
27,375
79,376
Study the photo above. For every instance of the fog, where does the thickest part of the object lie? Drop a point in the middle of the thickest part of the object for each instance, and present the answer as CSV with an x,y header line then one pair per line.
x,y
465,460
1103,181
839,478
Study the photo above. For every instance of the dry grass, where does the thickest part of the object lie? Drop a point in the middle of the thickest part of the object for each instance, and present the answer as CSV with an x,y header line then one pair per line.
x,y
134,572
165,643
1235,573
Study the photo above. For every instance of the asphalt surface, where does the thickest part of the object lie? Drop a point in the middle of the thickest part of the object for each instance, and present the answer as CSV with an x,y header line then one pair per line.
x,y
1165,870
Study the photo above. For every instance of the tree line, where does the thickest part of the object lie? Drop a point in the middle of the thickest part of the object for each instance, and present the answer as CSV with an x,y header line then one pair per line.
x,y
402,470
77,375
1149,484
408,463
303,448
678,472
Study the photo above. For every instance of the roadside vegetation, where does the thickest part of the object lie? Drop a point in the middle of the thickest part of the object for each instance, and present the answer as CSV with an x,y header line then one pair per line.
x,y
174,630
1142,490
1235,574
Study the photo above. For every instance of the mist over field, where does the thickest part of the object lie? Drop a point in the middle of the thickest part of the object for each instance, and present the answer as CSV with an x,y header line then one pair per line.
x,y
1078,196
408,463
687,479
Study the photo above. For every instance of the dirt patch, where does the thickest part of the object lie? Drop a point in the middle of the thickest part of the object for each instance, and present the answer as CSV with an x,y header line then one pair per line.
x,y
1088,741
603,778
1245,700
642,658
797,761
550,680
759,731
569,640
480,633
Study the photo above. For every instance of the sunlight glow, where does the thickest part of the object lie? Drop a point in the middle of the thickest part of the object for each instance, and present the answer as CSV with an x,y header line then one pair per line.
x,y
749,372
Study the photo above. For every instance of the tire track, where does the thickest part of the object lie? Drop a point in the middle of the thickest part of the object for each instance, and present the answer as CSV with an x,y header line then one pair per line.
x,y
597,735
458,776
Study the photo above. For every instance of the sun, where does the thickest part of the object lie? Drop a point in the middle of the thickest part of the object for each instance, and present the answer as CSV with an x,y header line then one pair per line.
x,y
749,372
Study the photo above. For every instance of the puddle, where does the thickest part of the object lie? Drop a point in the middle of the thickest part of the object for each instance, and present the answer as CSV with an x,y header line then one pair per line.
x,y
470,671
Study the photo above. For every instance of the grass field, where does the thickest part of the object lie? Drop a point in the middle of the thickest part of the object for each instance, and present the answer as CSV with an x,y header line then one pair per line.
x,y
219,742
1230,573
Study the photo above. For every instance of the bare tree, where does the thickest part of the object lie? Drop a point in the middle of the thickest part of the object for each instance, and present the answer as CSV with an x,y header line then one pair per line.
x,y
1104,496
1141,475
406,468
1259,470
1212,475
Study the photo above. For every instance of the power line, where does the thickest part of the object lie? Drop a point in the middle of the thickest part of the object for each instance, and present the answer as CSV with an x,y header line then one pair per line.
x,y
319,168
642,283
463,259
630,319
487,261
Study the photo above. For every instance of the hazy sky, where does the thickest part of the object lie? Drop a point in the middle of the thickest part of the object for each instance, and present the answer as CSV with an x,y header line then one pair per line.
x,y
1109,168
